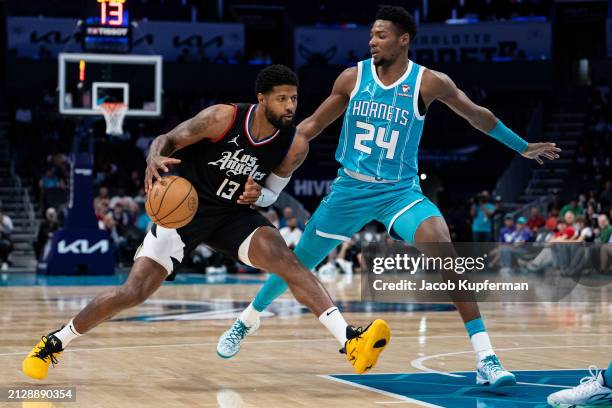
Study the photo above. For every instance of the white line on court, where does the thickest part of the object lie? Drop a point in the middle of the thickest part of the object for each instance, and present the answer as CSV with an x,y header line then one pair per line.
x,y
419,362
399,397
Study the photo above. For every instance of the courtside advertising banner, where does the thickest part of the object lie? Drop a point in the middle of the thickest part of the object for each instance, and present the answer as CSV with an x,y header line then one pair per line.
x,y
29,37
434,42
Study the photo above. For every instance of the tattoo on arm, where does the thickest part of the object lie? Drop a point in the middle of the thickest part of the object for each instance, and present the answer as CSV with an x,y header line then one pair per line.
x,y
205,125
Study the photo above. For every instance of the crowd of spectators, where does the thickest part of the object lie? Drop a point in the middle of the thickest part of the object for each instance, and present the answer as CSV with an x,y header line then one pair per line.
x,y
583,219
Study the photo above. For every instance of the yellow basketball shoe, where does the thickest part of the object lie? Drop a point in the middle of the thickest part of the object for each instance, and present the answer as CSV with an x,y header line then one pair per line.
x,y
45,353
365,345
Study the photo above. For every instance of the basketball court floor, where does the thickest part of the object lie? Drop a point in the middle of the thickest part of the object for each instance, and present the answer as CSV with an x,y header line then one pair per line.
x,y
163,352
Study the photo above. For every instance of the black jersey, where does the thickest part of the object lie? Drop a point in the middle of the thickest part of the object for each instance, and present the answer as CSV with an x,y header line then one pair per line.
x,y
219,168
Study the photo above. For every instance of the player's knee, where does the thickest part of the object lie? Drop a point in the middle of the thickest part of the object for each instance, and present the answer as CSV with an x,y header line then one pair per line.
x,y
269,248
432,229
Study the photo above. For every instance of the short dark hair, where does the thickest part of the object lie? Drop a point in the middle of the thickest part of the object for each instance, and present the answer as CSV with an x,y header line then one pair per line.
x,y
275,75
401,18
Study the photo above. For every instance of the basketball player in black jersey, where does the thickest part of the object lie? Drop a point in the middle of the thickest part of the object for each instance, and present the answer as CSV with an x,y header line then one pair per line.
x,y
227,152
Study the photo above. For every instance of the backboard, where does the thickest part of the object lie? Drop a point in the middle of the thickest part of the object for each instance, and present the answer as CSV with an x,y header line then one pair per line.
x,y
86,81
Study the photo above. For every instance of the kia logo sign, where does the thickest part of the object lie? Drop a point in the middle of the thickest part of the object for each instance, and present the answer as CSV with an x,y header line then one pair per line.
x,y
81,246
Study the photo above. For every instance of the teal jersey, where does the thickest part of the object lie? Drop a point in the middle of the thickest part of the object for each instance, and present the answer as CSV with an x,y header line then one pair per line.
x,y
382,126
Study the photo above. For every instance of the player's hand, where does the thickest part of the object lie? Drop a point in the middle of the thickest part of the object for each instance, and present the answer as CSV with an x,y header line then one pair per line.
x,y
537,151
153,167
251,193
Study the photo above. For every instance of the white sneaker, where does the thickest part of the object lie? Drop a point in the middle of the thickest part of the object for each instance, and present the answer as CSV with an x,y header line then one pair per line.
x,y
4,266
230,341
489,371
591,392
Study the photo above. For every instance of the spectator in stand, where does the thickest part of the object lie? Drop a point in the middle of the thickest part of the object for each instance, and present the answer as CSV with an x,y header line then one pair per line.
x,y
573,207
102,196
585,233
523,233
272,217
517,238
564,232
591,214
605,229
291,233
121,198
553,216
536,221
109,225
506,233
547,232
59,164
50,181
50,186
121,218
45,231
101,209
481,212
287,213
6,245
570,220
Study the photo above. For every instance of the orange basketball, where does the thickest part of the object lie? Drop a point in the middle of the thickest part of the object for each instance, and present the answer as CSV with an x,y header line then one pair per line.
x,y
172,202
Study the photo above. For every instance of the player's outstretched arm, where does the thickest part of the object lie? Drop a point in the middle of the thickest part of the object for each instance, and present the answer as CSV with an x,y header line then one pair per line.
x,y
279,178
210,123
438,86
332,107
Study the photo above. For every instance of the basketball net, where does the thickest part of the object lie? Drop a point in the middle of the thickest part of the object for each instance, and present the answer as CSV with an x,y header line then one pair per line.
x,y
114,113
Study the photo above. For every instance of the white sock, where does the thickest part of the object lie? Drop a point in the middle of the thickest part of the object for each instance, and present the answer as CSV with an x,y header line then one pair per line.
x,y
335,323
482,345
67,334
250,315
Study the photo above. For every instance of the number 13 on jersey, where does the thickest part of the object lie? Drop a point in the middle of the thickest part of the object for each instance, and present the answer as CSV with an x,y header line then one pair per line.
x,y
362,139
227,189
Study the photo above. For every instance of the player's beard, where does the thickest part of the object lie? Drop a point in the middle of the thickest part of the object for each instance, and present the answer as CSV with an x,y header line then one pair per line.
x,y
278,121
384,62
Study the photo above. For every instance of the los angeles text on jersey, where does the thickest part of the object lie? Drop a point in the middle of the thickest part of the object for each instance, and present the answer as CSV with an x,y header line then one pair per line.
x,y
382,111
237,163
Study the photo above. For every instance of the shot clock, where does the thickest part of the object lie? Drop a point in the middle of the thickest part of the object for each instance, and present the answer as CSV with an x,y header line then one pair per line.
x,y
107,27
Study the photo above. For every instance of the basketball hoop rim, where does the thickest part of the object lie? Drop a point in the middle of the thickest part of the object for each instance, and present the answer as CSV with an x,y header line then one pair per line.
x,y
112,106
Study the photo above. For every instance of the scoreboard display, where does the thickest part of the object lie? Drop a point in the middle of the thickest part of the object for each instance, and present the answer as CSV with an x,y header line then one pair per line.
x,y
106,27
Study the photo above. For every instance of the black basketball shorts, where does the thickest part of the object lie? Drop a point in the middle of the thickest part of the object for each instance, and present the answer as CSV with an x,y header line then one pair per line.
x,y
225,229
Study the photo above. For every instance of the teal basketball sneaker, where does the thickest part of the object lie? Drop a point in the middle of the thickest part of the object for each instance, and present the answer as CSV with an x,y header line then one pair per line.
x,y
489,371
230,341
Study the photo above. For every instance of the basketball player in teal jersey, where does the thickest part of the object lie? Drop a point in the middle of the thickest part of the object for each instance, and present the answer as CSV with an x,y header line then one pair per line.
x,y
386,98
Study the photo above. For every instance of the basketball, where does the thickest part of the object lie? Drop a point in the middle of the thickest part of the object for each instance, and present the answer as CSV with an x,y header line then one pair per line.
x,y
172,202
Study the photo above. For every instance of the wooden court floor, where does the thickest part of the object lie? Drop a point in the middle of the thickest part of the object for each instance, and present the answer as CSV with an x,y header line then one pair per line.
x,y
162,354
